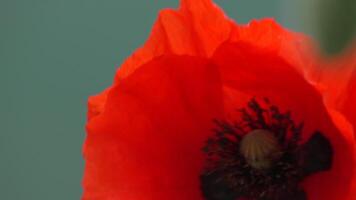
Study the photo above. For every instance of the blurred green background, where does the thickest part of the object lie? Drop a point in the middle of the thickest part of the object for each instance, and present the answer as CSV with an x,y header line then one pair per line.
x,y
53,55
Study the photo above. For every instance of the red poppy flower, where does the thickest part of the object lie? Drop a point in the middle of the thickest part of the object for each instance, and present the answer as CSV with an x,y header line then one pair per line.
x,y
210,110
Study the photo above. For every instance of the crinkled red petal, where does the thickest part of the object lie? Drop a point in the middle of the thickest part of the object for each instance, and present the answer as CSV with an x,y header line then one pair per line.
x,y
197,28
336,79
146,144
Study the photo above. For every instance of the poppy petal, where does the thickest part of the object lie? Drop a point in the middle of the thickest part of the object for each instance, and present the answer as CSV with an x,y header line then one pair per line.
x,y
249,71
336,79
196,28
147,143
269,35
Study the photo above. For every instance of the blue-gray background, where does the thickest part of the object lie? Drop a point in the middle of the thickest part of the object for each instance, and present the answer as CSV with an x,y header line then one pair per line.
x,y
53,55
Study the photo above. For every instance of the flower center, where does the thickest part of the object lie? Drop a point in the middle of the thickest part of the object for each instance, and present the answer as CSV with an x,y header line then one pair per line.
x,y
261,157
260,149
